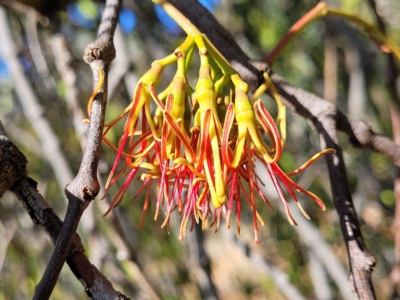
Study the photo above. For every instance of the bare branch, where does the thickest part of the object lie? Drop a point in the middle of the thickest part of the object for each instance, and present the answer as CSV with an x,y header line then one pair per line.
x,y
95,283
85,186
361,136
12,162
323,117
63,58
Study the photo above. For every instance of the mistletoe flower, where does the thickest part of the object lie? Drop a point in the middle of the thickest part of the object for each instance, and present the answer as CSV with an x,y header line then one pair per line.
x,y
201,153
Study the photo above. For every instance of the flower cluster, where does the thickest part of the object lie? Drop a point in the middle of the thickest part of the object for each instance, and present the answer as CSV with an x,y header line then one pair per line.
x,y
200,145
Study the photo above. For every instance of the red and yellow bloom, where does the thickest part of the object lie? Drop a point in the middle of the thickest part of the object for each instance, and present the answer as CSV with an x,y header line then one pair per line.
x,y
200,145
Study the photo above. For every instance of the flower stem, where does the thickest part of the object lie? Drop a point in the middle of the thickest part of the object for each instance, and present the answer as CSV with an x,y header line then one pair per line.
x,y
321,10
182,21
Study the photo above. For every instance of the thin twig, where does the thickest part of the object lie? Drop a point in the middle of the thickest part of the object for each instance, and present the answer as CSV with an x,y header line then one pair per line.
x,y
85,186
63,59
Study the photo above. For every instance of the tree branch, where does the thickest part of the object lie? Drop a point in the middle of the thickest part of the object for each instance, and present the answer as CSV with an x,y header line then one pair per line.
x,y
95,283
85,186
13,166
12,162
322,115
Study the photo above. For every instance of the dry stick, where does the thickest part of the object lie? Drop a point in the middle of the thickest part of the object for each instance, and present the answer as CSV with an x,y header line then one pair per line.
x,y
12,162
13,177
95,283
85,186
323,115
392,73
63,59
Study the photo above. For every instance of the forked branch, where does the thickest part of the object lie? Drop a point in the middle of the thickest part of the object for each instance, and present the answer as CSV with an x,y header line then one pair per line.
x,y
14,177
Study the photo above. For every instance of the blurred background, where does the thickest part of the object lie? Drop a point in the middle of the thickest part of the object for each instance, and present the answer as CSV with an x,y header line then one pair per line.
x,y
43,107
